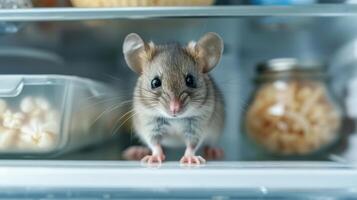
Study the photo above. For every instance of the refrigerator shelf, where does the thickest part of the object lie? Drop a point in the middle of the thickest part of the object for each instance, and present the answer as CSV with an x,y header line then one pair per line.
x,y
215,175
64,14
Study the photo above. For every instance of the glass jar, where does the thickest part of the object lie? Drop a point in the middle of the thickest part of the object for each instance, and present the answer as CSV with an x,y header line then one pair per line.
x,y
292,111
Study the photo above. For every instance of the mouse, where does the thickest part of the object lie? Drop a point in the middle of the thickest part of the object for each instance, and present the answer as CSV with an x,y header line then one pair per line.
x,y
176,103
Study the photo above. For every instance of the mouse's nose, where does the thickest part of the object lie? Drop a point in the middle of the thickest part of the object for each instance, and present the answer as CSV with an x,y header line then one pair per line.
x,y
175,106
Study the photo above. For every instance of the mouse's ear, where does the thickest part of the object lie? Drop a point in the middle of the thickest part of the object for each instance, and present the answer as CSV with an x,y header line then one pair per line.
x,y
208,50
135,51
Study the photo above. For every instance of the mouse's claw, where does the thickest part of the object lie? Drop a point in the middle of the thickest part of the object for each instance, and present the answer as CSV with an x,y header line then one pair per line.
x,y
192,159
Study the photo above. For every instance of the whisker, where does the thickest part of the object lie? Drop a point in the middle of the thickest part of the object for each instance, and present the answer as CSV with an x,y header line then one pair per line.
x,y
118,120
149,98
113,77
243,105
125,114
104,101
146,100
107,110
117,128
94,96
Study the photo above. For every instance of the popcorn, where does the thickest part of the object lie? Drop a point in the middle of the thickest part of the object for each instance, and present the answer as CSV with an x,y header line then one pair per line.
x,y
35,135
27,105
36,127
42,104
13,120
37,107
294,118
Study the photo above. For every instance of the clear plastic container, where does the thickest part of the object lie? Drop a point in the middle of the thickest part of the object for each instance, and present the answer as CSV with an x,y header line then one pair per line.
x,y
45,115
292,111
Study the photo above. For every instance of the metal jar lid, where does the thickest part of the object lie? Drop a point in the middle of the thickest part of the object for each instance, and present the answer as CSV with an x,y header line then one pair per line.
x,y
289,65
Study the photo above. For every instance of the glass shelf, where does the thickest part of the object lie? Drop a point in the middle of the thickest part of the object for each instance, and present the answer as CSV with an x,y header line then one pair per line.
x,y
61,14
215,175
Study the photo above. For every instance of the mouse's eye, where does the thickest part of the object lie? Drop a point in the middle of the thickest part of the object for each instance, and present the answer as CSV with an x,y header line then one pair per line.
x,y
190,81
155,83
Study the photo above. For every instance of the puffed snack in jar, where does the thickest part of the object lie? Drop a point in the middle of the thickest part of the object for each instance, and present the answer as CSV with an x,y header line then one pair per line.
x,y
292,112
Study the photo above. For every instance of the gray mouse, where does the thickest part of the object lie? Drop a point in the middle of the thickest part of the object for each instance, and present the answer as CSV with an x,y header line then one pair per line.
x,y
176,102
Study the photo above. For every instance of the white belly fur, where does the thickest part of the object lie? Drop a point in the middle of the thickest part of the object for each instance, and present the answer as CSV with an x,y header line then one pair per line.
x,y
174,136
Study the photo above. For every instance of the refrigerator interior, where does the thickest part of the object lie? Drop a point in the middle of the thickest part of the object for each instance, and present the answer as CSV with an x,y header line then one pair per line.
x,y
88,43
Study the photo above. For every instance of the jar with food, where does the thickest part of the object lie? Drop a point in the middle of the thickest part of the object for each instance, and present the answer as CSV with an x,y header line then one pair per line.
x,y
292,111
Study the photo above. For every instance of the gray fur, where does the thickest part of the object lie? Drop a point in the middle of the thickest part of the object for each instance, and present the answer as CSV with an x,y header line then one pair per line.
x,y
203,117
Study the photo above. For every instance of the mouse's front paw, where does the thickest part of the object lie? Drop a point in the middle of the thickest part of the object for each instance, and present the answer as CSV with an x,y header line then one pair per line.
x,y
153,159
192,159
